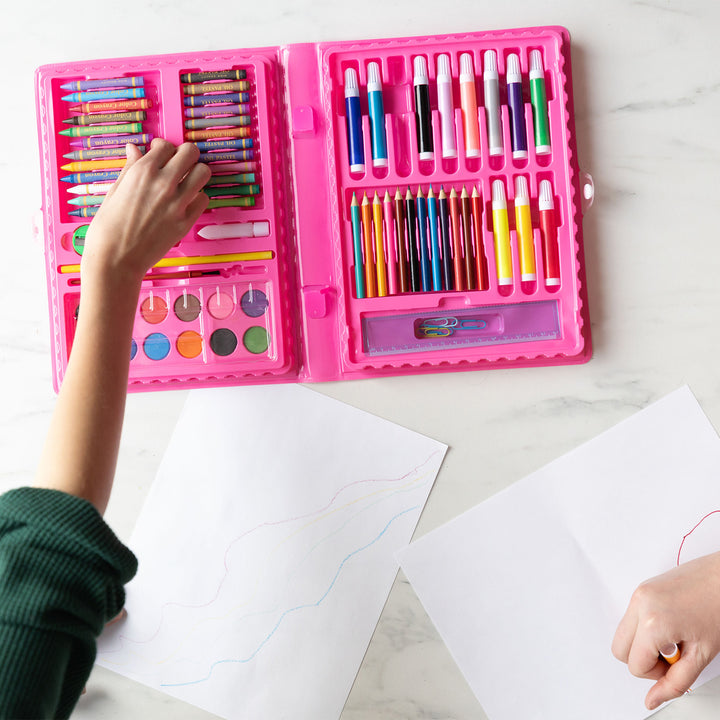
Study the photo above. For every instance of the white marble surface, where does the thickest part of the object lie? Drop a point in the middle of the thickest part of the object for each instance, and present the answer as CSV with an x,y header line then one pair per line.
x,y
647,94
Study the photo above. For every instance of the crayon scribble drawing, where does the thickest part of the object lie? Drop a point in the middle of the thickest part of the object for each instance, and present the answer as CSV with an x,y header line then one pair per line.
x,y
266,551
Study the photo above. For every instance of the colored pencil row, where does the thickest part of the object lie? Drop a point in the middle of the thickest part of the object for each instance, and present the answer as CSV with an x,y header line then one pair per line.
x,y
434,242
106,115
446,91
218,119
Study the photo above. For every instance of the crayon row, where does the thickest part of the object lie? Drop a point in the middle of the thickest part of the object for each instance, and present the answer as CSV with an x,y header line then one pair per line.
x,y
435,242
106,114
218,118
469,106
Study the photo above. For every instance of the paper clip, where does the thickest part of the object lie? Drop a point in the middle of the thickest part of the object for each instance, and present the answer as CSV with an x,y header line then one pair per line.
x,y
446,326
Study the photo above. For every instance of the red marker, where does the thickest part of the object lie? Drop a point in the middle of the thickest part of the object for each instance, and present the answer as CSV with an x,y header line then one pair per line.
x,y
548,230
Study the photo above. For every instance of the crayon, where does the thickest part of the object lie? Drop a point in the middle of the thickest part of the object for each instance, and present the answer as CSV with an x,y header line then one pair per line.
x,y
91,165
367,222
99,188
538,100
548,230
458,260
87,200
380,270
480,266
104,83
200,100
213,75
102,118
466,215
232,121
353,122
445,107
423,119
501,234
240,132
231,155
236,144
411,226
79,131
232,190
468,106
402,259
224,87
523,228
422,216
390,244
85,212
376,111
98,153
445,235
231,202
357,247
112,106
491,86
516,105
91,177
208,110
124,94
434,240
224,167
111,140
231,179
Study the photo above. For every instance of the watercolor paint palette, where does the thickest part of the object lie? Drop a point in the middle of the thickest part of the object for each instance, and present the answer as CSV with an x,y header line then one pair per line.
x,y
377,207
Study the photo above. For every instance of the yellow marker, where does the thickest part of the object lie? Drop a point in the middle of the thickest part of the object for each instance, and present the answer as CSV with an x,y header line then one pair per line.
x,y
90,165
382,286
194,260
523,227
671,653
501,233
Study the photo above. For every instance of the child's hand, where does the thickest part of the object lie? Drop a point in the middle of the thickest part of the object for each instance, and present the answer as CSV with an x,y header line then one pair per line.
x,y
681,606
154,202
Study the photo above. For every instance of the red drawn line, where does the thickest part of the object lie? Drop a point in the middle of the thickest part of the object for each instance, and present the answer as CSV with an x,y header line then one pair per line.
x,y
685,537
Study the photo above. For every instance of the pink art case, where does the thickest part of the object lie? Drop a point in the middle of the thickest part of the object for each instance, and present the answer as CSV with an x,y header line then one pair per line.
x,y
297,314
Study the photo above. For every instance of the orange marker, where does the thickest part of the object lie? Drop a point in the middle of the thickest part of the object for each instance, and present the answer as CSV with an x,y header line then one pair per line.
x,y
671,653
367,224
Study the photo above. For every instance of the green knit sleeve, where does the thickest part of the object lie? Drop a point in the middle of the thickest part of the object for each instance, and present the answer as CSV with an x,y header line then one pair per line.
x,y
62,572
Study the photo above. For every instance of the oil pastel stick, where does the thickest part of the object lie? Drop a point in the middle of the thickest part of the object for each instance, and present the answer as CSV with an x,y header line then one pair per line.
x,y
516,105
523,228
458,260
231,202
227,144
548,231
468,106
380,268
228,167
376,110
445,107
206,122
480,267
121,82
422,218
92,96
390,244
423,118
201,100
538,100
225,87
366,215
491,86
211,110
238,74
231,179
210,134
232,190
353,122
445,240
259,228
112,106
411,226
435,262
403,272
229,155
501,234
356,224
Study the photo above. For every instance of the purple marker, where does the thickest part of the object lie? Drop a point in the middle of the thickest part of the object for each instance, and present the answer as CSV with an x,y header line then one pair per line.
x,y
517,108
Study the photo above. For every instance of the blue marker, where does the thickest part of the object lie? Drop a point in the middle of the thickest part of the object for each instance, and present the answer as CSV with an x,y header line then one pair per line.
x,y
434,240
377,116
423,242
516,104
353,119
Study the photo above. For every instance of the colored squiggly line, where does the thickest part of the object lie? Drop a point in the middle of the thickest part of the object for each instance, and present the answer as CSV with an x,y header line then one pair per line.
x,y
168,604
292,610
687,535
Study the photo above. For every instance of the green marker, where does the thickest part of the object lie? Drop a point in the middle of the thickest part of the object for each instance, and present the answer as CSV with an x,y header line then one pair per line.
x,y
79,131
538,99
78,238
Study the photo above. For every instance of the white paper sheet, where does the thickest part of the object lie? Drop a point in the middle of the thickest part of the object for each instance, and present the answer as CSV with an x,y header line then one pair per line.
x,y
528,587
266,550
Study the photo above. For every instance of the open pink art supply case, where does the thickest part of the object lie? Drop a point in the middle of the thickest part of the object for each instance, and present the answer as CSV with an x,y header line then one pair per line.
x,y
298,313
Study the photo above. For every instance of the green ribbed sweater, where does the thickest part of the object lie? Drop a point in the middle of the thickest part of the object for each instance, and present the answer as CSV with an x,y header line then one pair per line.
x,y
62,572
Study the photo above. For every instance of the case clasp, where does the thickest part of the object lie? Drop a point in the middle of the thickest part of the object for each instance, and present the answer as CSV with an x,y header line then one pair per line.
x,y
317,300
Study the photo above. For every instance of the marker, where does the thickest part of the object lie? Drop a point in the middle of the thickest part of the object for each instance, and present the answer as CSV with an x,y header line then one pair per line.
x,y
353,122
111,140
202,100
79,131
467,239
516,105
213,75
491,86
105,83
444,213
91,177
367,221
124,94
538,99
422,216
423,120
357,247
548,230
390,244
381,272
434,240
112,106
468,106
480,268
401,246
102,118
501,234
523,227
194,260
671,653
413,261
91,188
259,228
376,110
89,165
225,87
458,261
445,107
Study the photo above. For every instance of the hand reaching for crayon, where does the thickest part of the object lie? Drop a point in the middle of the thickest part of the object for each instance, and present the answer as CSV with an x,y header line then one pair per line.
x,y
680,607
